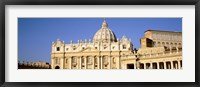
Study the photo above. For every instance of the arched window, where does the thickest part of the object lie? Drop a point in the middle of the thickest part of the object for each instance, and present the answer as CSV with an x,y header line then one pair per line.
x,y
114,60
57,67
167,43
163,43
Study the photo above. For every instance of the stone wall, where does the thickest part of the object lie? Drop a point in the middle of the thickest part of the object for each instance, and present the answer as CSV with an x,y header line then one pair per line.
x,y
33,65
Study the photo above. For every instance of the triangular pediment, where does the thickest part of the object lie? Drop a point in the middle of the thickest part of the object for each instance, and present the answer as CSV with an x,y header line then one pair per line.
x,y
88,49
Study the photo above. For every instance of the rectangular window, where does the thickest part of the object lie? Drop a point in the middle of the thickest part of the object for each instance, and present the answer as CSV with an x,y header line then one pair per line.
x,y
58,49
113,47
124,46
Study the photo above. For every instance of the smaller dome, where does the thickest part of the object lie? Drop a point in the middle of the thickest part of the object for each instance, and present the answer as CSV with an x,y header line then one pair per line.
x,y
104,34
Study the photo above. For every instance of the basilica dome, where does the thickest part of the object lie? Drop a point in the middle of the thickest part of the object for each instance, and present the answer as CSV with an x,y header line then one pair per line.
x,y
104,34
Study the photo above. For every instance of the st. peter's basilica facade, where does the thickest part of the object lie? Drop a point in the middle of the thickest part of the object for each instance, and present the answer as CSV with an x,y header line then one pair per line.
x,y
159,50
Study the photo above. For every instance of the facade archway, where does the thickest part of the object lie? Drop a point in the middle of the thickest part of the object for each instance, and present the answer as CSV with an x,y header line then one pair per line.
x,y
161,65
57,67
155,66
141,66
130,66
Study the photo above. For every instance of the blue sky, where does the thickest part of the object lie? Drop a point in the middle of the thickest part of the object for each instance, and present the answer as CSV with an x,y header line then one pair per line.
x,y
35,35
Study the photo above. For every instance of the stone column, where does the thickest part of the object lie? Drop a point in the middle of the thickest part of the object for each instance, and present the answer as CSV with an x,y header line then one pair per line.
x,y
144,65
70,63
179,64
163,53
151,65
110,63
158,65
52,64
80,63
119,62
124,66
64,63
165,65
61,63
101,62
93,63
177,49
85,58
176,65
135,64
172,65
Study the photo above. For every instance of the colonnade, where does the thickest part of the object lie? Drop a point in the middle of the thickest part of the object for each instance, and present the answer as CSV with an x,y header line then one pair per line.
x,y
88,62
106,62
162,65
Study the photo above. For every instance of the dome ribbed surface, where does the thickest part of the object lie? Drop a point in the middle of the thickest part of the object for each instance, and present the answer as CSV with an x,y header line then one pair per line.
x,y
104,34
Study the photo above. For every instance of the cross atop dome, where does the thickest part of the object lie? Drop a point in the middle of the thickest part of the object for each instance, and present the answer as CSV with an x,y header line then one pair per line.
x,y
104,19
104,24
